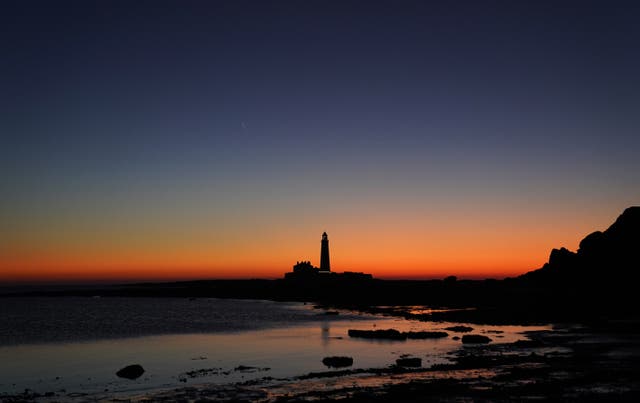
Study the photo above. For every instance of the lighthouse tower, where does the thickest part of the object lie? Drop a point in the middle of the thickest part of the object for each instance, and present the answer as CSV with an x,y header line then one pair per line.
x,y
325,266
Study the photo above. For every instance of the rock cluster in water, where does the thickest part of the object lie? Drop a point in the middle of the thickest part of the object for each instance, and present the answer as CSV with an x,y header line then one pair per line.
x,y
475,339
393,334
459,329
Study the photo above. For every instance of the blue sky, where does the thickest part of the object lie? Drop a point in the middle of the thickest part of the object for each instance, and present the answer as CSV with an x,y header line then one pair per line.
x,y
254,109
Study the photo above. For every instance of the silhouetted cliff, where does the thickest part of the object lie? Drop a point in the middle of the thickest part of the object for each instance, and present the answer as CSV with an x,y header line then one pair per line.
x,y
608,257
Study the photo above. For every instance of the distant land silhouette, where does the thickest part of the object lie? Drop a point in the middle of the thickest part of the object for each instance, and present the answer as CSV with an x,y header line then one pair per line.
x,y
596,281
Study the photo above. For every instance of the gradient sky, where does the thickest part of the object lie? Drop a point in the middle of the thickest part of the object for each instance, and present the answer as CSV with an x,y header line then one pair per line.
x,y
215,139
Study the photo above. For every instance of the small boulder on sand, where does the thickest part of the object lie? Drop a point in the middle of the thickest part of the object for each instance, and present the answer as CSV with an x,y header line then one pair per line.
x,y
131,372
337,362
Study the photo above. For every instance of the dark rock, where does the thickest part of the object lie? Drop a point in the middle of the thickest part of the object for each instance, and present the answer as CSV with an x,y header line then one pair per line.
x,y
337,362
426,335
475,339
533,343
409,362
455,338
459,329
201,372
245,368
393,334
603,258
131,372
592,242
562,257
388,334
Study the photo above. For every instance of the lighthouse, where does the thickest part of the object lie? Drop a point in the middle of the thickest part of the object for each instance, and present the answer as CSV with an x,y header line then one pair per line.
x,y
325,266
305,273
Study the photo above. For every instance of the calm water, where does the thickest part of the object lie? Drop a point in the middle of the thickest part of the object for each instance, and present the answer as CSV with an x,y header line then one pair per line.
x,y
77,344
36,320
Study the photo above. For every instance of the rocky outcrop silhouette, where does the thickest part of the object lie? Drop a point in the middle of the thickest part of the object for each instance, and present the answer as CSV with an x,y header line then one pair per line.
x,y
602,257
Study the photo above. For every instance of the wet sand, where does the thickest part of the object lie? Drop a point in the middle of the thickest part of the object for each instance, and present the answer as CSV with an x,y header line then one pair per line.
x,y
567,363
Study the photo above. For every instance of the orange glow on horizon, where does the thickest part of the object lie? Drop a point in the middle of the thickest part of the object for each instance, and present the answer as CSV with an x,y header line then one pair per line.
x,y
466,246
49,270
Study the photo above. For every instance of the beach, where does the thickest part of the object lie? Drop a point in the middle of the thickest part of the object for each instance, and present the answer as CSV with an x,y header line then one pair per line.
x,y
277,354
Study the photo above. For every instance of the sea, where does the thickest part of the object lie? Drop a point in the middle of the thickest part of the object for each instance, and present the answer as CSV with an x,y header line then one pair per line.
x,y
73,346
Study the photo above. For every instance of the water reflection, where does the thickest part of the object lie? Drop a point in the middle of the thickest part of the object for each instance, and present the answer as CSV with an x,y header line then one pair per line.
x,y
89,367
325,332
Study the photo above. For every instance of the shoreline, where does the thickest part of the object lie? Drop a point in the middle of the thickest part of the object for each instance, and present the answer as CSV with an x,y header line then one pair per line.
x,y
559,364
588,358
568,363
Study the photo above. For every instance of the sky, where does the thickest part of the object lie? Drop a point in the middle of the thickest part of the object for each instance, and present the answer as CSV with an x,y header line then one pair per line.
x,y
162,140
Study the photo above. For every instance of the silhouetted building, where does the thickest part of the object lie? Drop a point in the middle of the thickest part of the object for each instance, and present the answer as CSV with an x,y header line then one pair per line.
x,y
322,276
325,264
304,267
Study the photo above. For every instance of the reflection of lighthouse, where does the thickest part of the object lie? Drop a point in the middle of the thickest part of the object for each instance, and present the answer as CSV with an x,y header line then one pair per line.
x,y
324,253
